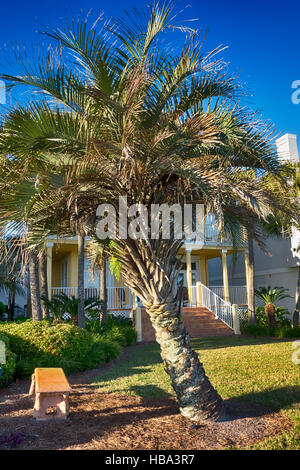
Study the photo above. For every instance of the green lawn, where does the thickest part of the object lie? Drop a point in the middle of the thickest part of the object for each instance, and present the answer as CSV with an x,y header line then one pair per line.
x,y
255,369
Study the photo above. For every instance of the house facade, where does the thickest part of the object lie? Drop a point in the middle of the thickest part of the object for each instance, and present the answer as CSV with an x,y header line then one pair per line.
x,y
281,267
62,257
209,274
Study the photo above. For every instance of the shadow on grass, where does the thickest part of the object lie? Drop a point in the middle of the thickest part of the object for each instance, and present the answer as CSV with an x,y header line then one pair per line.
x,y
149,391
140,362
219,342
273,398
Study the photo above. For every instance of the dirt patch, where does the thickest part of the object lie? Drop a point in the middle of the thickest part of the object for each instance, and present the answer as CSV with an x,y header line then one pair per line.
x,y
114,421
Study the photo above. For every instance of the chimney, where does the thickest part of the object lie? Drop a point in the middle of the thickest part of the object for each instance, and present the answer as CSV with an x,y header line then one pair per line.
x,y
287,148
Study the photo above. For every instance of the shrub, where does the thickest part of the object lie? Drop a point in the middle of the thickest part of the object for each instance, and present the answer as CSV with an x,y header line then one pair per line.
x,y
40,344
120,330
45,344
277,332
105,348
255,330
280,317
287,332
125,335
7,369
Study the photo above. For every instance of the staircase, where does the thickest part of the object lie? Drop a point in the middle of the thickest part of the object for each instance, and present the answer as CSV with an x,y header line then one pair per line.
x,y
214,318
200,322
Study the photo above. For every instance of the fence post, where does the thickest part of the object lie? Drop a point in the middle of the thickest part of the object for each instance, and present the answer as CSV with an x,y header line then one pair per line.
x,y
199,295
138,324
236,320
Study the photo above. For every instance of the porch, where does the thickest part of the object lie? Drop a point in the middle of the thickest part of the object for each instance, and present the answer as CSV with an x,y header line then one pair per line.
x,y
119,299
122,298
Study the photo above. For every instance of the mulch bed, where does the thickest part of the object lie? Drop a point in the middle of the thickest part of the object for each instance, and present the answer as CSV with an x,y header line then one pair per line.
x,y
113,421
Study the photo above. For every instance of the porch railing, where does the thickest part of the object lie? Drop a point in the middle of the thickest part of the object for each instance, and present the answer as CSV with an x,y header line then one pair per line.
x,y
117,297
204,296
237,294
218,306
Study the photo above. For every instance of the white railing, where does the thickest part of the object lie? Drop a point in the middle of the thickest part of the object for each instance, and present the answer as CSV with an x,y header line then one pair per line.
x,y
237,294
218,306
211,235
117,297
204,296
69,291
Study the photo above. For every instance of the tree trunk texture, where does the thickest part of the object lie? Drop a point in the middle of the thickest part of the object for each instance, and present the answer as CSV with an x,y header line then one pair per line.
x,y
11,304
270,313
251,306
28,307
198,400
81,316
103,289
297,302
35,287
44,283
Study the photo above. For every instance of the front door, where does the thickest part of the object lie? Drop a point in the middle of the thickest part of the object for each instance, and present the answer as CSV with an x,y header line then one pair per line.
x,y
182,275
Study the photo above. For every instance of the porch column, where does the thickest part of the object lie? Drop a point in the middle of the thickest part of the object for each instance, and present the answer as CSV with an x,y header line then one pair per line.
x,y
246,258
203,271
188,254
225,275
49,246
200,221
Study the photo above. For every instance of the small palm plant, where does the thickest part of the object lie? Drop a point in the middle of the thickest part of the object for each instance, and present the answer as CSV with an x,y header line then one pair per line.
x,y
61,305
269,295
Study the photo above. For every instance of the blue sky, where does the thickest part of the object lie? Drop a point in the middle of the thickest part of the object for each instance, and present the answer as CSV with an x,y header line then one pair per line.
x,y
262,37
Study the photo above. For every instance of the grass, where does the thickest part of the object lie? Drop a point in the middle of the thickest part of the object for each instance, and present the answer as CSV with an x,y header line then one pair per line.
x,y
254,369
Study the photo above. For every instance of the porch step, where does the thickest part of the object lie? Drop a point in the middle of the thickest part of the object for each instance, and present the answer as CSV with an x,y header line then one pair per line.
x,y
199,322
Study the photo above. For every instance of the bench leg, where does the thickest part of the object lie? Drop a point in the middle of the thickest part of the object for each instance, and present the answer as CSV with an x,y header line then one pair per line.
x,y
45,401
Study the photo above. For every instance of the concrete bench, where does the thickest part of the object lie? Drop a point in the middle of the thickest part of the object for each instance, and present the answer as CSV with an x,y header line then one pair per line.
x,y
51,389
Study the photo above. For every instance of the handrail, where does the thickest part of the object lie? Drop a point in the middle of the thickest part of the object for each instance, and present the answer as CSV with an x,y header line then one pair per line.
x,y
218,306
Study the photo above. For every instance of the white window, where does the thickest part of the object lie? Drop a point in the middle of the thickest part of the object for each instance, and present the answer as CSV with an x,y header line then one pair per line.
x,y
64,273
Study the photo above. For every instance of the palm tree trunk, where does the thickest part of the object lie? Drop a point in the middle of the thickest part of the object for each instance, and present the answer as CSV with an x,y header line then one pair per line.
x,y
11,304
270,314
103,289
297,302
154,279
251,301
28,306
35,287
44,283
198,400
81,317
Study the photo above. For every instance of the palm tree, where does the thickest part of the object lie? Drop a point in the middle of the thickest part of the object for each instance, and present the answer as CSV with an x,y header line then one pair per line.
x,y
10,282
61,304
270,295
136,121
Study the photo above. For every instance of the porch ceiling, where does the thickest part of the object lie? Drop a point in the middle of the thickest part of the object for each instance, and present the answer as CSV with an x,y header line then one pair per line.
x,y
63,249
211,252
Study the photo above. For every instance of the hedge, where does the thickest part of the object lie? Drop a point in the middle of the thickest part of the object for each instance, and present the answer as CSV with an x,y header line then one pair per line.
x,y
276,332
8,369
42,344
